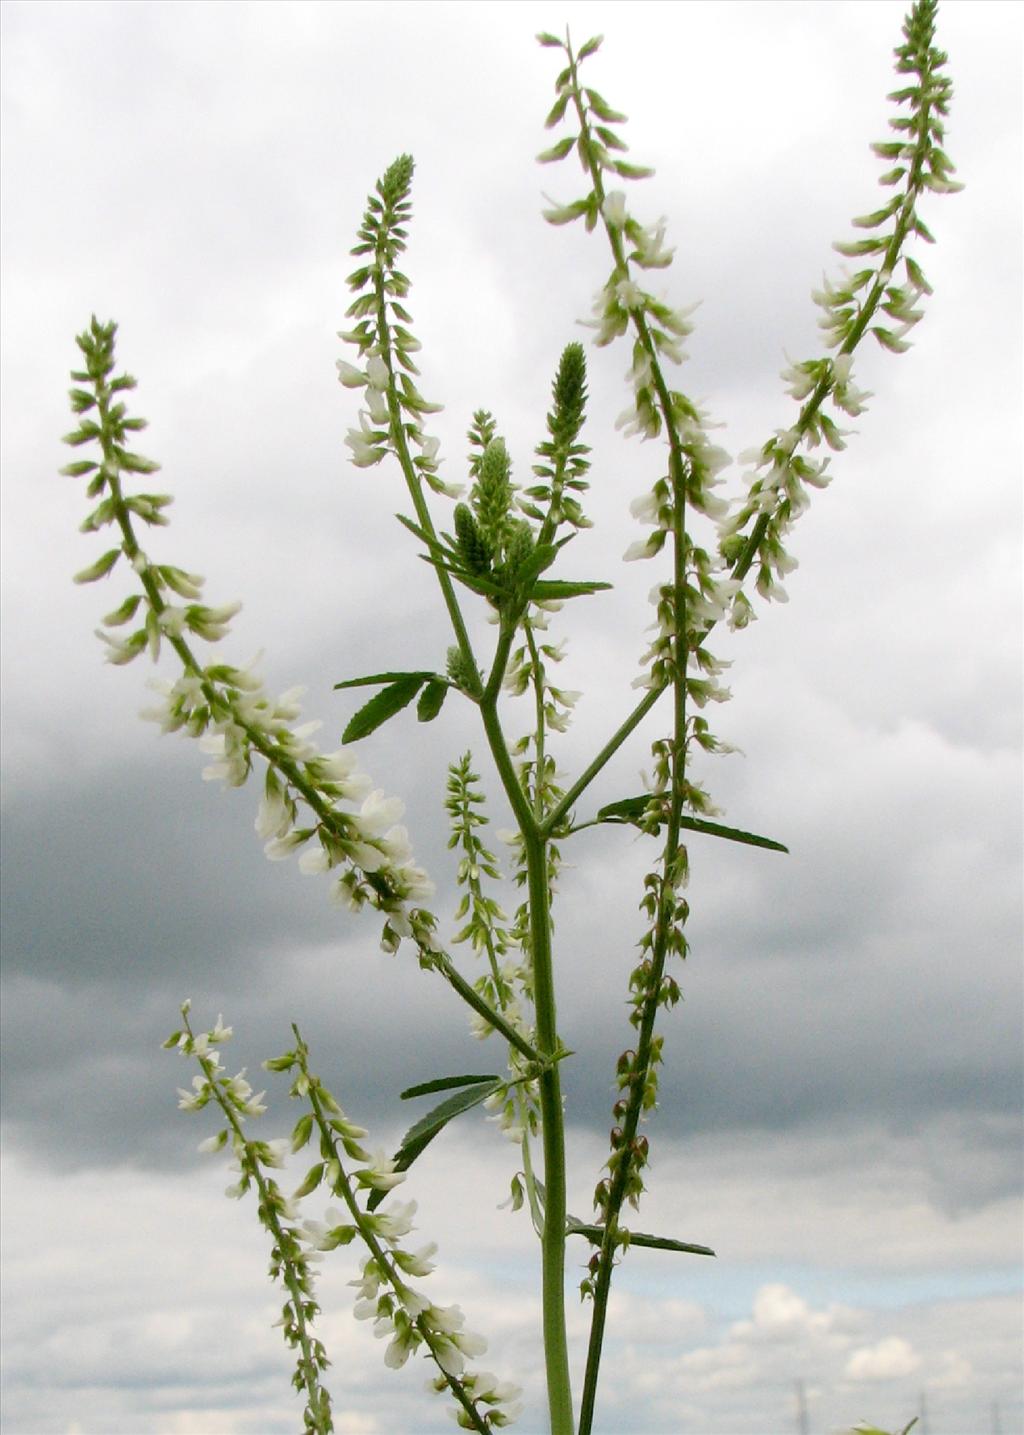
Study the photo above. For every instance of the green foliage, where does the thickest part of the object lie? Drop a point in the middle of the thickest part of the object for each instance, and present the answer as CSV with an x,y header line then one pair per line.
x,y
647,813
475,1090
386,704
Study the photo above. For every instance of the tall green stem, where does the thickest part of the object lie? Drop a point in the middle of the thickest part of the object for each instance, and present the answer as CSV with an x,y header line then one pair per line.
x,y
556,1354
556,1350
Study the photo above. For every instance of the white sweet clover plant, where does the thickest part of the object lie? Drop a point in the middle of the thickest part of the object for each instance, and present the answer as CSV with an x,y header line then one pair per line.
x,y
502,551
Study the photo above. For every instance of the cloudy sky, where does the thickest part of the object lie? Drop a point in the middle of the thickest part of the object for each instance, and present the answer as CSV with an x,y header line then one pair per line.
x,y
840,1101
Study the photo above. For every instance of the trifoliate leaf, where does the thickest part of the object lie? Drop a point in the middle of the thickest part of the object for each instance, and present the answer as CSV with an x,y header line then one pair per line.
x,y
418,1137
385,705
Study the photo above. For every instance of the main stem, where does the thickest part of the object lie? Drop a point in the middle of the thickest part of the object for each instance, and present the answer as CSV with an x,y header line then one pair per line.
x,y
556,1354
556,1348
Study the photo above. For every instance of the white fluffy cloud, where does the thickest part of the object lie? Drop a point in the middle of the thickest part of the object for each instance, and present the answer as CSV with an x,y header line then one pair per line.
x,y
890,1359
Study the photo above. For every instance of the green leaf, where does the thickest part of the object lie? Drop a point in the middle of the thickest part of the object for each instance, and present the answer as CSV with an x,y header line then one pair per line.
x,y
595,1234
731,834
419,1137
632,809
443,1083
547,589
380,678
448,552
385,705
431,700
542,557
627,809
475,582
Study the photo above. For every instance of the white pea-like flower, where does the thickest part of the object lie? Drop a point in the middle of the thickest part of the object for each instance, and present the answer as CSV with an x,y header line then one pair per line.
x,y
404,1341
313,861
377,406
378,813
279,849
365,444
377,373
195,1099
629,294
395,1222
380,1174
274,817
614,209
643,548
416,1263
645,508
350,376
274,1152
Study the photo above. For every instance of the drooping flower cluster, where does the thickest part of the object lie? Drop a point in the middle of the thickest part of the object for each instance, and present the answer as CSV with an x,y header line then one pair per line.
x,y
687,609
869,301
687,606
226,707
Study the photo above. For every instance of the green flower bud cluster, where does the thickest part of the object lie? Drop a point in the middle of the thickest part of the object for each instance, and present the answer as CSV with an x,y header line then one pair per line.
x,y
477,553
492,551
492,495
563,463
462,673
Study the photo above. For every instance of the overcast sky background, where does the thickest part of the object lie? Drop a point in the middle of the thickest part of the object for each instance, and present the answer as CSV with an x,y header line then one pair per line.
x,y
841,1095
